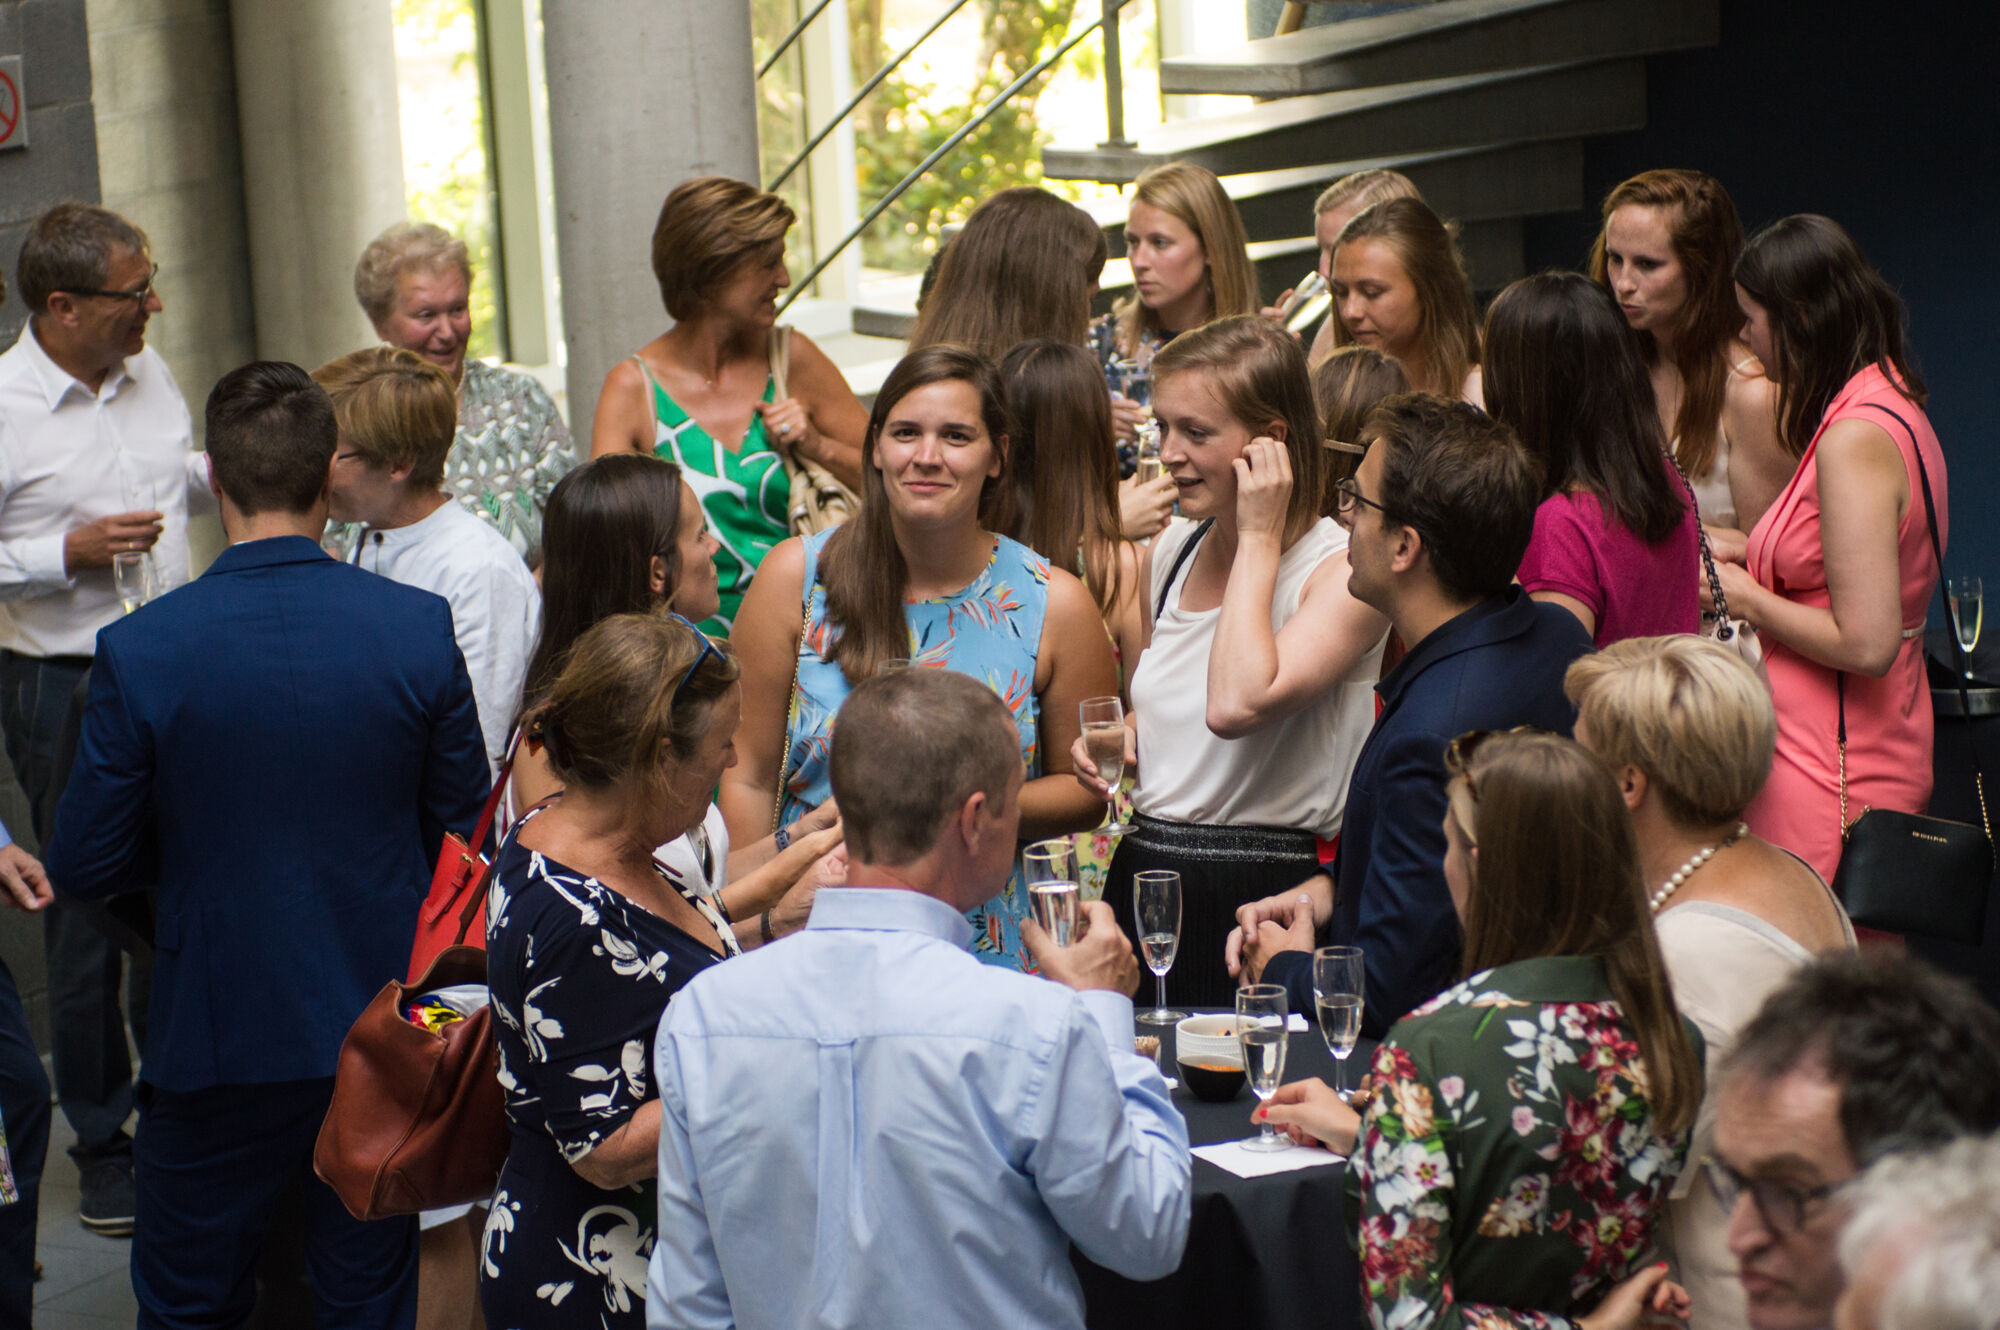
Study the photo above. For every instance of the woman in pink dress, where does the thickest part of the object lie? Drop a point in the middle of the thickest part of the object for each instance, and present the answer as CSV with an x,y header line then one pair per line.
x,y
1839,572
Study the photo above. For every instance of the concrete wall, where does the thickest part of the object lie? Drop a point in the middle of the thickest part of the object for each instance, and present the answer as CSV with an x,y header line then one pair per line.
x,y
61,159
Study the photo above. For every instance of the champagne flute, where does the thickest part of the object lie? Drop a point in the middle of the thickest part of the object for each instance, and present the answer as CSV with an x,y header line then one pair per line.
x,y
1339,987
1103,721
133,577
1049,869
1260,1029
1967,607
1151,468
1156,909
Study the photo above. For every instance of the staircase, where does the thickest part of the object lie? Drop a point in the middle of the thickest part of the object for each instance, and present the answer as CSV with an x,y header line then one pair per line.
x,y
1484,104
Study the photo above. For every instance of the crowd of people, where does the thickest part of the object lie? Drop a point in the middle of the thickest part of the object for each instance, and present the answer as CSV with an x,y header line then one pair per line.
x,y
1544,656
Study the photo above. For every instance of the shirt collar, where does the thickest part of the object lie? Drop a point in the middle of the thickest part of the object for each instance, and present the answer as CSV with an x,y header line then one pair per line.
x,y
1493,620
56,382
421,529
889,909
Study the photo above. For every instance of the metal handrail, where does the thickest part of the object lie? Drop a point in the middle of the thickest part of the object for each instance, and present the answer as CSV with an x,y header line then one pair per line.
x,y
985,113
873,83
791,37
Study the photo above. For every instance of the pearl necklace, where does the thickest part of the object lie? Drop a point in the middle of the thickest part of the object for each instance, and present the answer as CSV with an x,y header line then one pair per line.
x,y
1695,861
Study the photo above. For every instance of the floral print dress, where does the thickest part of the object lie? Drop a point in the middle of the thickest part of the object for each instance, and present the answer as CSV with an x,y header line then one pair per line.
x,y
1509,1169
580,976
991,630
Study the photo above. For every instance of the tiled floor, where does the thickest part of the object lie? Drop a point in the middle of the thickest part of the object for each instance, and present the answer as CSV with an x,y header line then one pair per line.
x,y
86,1280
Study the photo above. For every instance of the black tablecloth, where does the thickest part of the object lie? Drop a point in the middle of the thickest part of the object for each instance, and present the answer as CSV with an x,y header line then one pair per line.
x,y
1267,1252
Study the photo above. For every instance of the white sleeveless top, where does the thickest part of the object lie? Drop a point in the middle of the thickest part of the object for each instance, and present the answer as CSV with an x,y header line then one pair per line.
x,y
1711,491
1292,773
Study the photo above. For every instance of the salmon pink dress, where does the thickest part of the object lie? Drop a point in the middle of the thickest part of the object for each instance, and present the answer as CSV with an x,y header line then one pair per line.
x,y
1888,719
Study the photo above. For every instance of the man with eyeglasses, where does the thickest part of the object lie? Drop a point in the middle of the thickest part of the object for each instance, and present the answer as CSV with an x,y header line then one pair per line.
x,y
1856,1057
1438,514
95,462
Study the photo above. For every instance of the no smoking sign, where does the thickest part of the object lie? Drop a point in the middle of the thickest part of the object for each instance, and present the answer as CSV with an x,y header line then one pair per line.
x,y
13,103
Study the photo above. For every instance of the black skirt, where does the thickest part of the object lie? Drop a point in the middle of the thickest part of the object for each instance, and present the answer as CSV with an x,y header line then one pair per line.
x,y
1221,868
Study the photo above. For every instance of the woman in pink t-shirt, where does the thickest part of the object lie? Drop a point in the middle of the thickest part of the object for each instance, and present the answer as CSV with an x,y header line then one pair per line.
x,y
1615,540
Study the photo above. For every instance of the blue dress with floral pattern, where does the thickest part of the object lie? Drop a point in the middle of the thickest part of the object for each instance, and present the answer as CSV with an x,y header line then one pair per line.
x,y
991,630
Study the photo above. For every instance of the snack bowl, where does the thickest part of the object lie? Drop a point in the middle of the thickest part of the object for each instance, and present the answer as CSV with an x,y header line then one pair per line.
x,y
1210,1039
1216,1082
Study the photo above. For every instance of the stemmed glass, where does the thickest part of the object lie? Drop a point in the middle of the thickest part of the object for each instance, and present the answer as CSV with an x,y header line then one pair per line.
x,y
1049,869
1967,607
1339,987
1103,721
1260,1029
1156,908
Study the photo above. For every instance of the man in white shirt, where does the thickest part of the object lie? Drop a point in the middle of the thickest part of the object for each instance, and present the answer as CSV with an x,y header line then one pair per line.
x,y
861,1125
398,416
95,461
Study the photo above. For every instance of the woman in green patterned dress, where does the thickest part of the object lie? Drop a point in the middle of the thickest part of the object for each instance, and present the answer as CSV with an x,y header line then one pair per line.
x,y
1526,1125
702,394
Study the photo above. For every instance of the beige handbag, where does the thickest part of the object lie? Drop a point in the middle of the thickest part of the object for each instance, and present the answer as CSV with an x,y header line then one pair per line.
x,y
818,499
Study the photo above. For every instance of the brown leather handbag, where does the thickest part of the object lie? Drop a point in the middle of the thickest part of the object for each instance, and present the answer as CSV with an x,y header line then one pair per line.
x,y
418,1119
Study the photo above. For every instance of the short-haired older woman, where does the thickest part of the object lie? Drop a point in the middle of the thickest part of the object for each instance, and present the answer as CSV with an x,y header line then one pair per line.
x,y
1688,729
586,940
704,394
414,282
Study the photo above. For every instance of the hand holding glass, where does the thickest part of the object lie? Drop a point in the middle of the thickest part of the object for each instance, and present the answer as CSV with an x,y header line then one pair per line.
x,y
1260,1029
1049,869
1103,720
1339,985
1156,909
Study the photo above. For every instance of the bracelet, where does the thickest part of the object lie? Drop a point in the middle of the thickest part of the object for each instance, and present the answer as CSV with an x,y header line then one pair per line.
x,y
764,933
782,838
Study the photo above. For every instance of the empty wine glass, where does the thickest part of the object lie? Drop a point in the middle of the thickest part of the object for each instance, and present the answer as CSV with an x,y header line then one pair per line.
x,y
1339,987
1260,1029
1049,869
1103,720
1156,909
132,572
1967,607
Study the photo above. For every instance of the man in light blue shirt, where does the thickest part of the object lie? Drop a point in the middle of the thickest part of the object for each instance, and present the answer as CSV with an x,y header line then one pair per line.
x,y
862,1125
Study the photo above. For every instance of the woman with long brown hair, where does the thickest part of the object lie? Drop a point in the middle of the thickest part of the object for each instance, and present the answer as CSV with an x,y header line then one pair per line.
x,y
1025,265
1526,1125
915,578
1256,689
1399,285
1666,251
1335,207
1346,386
1840,570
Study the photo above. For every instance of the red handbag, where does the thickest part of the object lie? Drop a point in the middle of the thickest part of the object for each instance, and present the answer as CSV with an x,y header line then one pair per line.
x,y
461,867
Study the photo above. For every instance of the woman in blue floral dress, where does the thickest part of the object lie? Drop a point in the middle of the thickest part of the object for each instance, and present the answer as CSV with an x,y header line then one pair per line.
x,y
915,577
1527,1125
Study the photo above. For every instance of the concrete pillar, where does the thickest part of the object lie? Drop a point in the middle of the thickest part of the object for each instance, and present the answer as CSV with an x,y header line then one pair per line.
x,y
643,94
322,164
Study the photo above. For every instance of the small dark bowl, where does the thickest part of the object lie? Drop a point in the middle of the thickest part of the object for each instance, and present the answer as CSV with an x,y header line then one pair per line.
x,y
1210,1082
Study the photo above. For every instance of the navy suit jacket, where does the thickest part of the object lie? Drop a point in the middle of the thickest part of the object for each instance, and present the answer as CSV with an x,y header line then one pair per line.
x,y
1498,665
276,749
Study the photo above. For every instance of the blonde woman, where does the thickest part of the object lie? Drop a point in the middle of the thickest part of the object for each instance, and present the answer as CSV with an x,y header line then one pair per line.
x,y
1688,729
1336,206
1399,286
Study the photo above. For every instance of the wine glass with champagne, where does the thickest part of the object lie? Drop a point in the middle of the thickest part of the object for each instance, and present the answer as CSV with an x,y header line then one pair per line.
x,y
1049,869
1260,1029
1104,738
1339,987
1156,909
1967,605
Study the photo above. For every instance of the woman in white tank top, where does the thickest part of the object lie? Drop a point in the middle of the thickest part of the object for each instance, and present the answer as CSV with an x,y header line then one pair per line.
x,y
1256,689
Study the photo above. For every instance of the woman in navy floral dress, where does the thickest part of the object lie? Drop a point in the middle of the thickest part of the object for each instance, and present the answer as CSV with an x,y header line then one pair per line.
x,y
1527,1124
587,939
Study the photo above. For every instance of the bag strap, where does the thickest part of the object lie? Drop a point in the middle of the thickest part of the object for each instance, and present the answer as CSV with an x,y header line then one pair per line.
x,y
1724,629
475,897
1951,622
781,361
484,826
1185,553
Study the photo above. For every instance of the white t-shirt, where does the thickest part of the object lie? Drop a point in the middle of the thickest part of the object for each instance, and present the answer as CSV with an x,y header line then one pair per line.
x,y
496,608
1292,773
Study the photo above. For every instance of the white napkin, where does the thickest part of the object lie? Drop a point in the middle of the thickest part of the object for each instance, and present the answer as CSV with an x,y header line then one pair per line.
x,y
1234,1157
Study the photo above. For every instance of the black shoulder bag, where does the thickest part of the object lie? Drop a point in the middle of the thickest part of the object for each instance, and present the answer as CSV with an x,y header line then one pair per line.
x,y
1902,872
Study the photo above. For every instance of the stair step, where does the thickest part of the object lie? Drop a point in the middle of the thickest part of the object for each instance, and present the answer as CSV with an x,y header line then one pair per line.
x,y
1516,106
1471,185
1441,40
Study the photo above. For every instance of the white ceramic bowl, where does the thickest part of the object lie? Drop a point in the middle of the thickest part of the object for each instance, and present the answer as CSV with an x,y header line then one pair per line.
x,y
1210,1039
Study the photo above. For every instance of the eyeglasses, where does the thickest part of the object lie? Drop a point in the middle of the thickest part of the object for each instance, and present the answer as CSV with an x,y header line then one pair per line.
x,y
1458,753
707,650
1783,1209
138,294
1346,495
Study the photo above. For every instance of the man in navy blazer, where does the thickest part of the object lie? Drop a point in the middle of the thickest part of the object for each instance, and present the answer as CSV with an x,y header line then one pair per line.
x,y
1439,514
276,750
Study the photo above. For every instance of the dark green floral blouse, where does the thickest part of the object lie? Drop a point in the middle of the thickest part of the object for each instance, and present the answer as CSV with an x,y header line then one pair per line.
x,y
1509,1171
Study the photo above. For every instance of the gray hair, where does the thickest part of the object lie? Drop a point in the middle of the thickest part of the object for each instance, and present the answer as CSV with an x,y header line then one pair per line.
x,y
70,248
1942,1208
404,247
